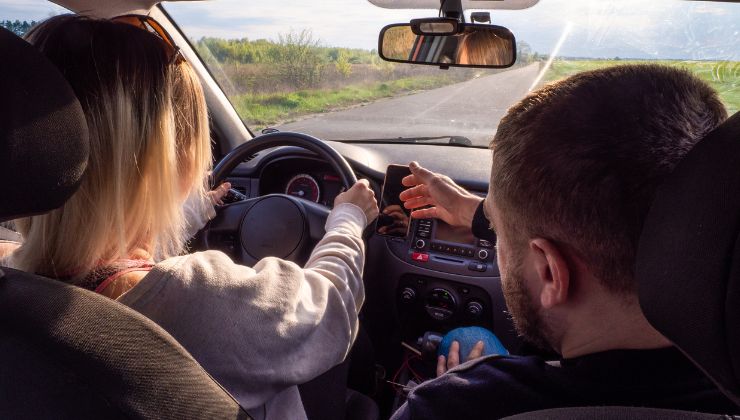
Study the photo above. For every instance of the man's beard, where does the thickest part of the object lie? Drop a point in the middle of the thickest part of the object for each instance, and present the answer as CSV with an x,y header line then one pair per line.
x,y
527,318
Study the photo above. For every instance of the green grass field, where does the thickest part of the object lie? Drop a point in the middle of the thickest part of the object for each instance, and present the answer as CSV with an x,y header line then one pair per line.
x,y
724,76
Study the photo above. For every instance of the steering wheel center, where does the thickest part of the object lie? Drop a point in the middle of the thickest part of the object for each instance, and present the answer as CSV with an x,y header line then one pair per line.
x,y
273,227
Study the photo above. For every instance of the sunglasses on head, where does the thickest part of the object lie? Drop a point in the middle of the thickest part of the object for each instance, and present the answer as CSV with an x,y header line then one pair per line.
x,y
150,25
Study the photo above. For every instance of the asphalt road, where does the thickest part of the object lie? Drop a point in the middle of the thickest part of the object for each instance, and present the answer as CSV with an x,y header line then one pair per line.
x,y
471,109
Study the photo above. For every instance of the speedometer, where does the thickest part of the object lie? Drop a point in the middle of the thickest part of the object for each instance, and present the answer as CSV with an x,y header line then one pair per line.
x,y
304,186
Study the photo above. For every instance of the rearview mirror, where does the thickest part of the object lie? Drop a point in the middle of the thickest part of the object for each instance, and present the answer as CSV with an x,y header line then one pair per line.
x,y
469,45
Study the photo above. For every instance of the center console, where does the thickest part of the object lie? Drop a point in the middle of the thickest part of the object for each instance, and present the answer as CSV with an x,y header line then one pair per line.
x,y
439,277
435,245
452,285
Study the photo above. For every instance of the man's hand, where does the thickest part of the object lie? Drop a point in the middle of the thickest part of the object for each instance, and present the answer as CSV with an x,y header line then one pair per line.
x,y
453,357
363,197
449,201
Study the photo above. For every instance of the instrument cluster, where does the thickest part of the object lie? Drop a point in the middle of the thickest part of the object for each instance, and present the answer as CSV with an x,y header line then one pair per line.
x,y
305,178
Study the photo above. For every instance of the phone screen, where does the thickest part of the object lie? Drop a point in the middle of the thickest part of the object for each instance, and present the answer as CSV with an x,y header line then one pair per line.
x,y
394,218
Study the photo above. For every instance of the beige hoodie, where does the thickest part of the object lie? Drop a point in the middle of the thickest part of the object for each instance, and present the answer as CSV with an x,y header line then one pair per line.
x,y
260,331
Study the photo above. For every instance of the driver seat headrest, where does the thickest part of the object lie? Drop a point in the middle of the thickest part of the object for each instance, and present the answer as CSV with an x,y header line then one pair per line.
x,y
43,133
688,258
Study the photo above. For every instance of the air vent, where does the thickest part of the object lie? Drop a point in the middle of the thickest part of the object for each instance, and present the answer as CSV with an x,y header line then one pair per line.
x,y
250,157
242,189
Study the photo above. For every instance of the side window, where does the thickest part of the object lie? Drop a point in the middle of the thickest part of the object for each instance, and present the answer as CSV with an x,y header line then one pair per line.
x,y
19,17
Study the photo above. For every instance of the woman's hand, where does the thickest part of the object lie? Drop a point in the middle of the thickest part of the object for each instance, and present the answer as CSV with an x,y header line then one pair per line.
x,y
363,197
453,357
217,194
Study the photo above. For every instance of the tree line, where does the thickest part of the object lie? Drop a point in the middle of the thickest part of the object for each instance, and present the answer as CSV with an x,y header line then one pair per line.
x,y
246,51
297,57
17,27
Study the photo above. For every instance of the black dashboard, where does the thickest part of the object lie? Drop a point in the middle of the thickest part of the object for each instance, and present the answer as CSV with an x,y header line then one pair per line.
x,y
436,278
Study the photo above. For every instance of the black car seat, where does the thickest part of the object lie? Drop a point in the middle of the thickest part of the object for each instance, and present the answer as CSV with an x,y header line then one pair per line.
x,y
688,271
66,352
688,262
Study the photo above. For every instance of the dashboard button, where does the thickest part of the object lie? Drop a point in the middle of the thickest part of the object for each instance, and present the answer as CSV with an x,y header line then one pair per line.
x,y
420,257
477,266
482,254
408,295
474,309
420,243
484,243
438,313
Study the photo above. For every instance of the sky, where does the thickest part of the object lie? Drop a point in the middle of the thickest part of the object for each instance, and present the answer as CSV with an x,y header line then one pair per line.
x,y
596,28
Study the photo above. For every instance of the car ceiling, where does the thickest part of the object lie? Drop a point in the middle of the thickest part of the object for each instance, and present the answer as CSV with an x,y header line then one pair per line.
x,y
109,8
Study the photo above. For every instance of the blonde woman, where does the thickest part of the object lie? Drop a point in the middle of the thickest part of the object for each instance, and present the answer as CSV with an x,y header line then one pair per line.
x,y
259,331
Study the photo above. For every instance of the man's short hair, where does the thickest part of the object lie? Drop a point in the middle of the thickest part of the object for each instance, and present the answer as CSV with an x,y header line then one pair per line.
x,y
579,160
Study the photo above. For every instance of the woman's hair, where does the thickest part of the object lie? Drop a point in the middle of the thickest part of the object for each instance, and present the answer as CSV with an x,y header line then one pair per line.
x,y
484,48
149,148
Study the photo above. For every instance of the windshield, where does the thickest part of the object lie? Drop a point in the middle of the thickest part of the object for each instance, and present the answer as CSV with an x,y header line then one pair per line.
x,y
313,67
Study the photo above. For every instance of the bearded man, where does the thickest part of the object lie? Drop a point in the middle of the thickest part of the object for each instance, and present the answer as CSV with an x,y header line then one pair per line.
x,y
575,168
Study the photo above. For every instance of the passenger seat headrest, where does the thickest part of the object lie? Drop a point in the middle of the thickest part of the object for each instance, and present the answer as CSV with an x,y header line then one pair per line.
x,y
43,133
688,258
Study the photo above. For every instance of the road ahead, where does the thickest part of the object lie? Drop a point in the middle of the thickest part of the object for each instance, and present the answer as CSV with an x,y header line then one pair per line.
x,y
471,109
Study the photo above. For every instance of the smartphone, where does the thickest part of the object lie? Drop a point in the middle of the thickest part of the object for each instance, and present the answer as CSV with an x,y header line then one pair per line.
x,y
394,218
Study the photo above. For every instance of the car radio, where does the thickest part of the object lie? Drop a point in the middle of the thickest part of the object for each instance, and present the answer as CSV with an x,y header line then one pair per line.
x,y
436,245
429,243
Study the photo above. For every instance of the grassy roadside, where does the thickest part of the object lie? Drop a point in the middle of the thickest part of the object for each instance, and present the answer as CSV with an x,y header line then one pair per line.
x,y
724,76
267,109
263,110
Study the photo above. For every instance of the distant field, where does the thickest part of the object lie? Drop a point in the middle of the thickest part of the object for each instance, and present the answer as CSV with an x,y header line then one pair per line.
x,y
724,76
266,109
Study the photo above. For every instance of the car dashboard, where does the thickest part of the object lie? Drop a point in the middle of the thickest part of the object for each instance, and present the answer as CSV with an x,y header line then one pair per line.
x,y
435,279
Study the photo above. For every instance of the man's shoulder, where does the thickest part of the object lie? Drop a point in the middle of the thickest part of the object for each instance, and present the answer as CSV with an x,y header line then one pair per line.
x,y
494,386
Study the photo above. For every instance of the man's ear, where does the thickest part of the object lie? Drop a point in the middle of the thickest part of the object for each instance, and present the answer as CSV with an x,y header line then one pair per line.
x,y
552,270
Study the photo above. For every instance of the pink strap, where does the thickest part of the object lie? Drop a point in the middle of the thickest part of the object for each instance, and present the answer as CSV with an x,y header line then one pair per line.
x,y
114,277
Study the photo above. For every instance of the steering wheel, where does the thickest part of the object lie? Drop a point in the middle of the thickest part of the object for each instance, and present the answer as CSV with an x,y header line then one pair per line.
x,y
277,225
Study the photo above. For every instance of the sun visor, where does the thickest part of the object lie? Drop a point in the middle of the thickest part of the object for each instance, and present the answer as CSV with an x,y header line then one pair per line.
x,y
466,4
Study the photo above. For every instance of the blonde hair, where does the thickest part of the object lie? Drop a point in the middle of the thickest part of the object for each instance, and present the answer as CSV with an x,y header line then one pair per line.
x,y
150,147
483,48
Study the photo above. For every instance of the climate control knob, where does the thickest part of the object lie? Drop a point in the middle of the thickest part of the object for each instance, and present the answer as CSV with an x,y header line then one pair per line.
x,y
408,295
474,309
420,244
482,254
